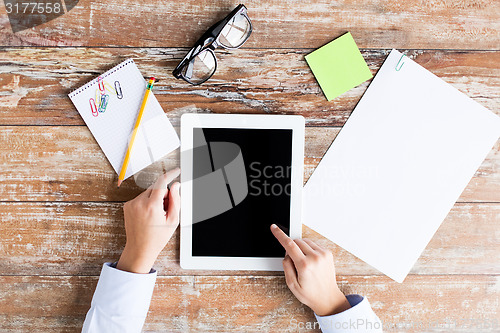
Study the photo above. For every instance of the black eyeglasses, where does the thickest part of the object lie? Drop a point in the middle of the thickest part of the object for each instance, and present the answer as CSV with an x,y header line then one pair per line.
x,y
200,63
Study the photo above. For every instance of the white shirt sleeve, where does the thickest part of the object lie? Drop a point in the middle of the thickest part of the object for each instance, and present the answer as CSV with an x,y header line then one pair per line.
x,y
121,301
359,318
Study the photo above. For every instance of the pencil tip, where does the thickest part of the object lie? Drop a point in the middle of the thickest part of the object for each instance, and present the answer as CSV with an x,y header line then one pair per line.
x,y
119,182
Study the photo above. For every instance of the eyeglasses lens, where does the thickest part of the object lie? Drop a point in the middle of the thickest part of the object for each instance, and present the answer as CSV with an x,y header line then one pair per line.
x,y
200,68
235,32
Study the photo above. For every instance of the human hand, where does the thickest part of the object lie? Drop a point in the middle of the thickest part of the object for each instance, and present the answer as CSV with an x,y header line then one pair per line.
x,y
150,221
310,275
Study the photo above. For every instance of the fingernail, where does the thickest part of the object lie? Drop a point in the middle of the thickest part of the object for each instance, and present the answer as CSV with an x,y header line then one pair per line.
x,y
273,226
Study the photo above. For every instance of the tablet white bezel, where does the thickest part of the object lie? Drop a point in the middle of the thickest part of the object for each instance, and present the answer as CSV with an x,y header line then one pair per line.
x,y
190,121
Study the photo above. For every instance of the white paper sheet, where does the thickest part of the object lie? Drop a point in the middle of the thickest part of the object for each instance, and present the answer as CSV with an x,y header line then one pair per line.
x,y
112,128
395,170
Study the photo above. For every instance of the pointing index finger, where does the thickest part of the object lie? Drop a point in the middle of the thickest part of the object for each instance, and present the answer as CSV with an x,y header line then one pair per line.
x,y
159,189
290,246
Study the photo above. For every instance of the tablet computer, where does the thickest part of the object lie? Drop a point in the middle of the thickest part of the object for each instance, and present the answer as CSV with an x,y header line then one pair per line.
x,y
239,175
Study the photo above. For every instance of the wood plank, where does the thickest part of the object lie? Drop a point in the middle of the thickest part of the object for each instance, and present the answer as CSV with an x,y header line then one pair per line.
x,y
61,163
254,304
76,238
277,23
34,82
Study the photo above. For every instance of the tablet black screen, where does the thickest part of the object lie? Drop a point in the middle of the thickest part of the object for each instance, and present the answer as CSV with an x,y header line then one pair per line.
x,y
243,230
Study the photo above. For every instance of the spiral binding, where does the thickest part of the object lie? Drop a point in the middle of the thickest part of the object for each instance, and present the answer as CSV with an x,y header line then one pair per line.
x,y
106,74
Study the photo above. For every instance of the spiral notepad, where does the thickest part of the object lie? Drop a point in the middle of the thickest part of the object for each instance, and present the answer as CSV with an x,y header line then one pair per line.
x,y
109,105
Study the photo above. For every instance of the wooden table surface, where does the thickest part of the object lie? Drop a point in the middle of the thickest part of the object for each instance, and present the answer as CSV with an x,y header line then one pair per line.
x,y
61,214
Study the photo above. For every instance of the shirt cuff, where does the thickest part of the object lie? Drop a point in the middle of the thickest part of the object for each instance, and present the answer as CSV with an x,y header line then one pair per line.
x,y
121,301
359,318
124,293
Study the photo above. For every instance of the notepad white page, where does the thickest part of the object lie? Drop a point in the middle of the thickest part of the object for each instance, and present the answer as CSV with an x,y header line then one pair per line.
x,y
397,167
113,127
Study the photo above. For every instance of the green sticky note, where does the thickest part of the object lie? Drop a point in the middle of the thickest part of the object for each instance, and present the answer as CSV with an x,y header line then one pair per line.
x,y
338,66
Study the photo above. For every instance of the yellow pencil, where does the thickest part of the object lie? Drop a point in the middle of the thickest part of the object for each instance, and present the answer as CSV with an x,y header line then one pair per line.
x,y
149,87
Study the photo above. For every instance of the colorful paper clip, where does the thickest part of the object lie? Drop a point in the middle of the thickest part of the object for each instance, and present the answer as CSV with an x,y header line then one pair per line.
x,y
109,88
118,90
98,97
400,63
93,107
100,84
103,103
